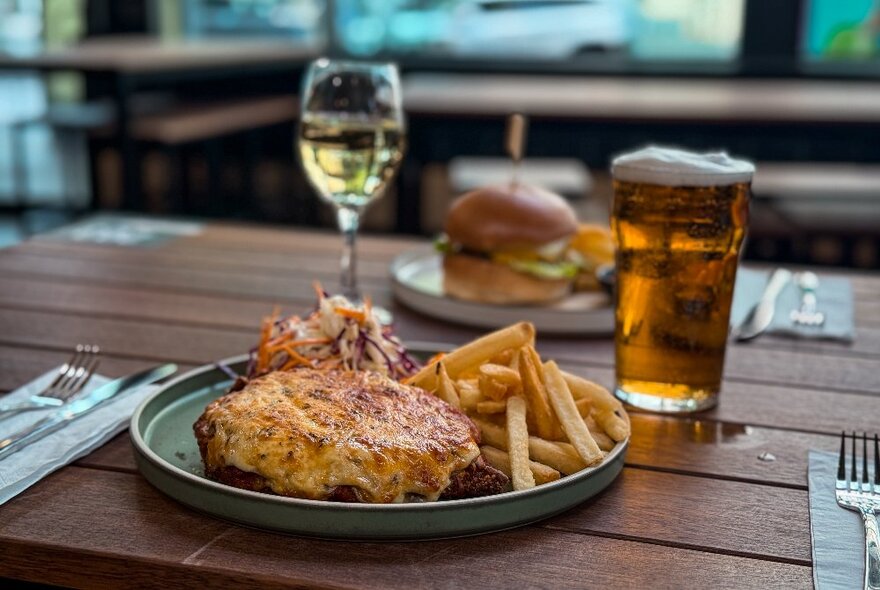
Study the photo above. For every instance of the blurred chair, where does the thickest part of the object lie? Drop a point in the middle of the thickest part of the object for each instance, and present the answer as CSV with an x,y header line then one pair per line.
x,y
177,130
73,126
816,213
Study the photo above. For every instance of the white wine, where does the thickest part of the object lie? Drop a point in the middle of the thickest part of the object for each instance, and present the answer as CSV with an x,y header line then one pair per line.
x,y
349,161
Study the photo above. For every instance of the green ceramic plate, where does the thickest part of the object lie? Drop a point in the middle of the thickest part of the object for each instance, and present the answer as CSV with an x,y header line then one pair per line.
x,y
167,455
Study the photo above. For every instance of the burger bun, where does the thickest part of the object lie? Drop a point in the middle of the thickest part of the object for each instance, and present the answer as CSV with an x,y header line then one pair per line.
x,y
509,217
479,279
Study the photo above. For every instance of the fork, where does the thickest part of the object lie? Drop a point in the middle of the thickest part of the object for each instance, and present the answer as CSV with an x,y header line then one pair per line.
x,y
72,376
807,315
862,497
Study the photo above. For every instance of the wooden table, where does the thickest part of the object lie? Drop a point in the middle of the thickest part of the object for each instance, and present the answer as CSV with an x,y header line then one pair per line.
x,y
694,507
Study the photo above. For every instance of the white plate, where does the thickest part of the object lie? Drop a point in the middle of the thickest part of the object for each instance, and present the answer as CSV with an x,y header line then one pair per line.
x,y
417,282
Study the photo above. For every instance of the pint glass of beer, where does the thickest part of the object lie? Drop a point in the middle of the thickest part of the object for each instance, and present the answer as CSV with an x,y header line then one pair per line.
x,y
678,220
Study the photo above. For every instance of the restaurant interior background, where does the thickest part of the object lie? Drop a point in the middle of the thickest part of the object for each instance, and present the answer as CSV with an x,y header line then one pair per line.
x,y
789,84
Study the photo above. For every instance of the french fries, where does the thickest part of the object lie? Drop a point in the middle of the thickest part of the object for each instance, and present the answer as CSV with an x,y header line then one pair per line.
x,y
561,456
566,410
607,410
605,442
446,389
616,427
476,353
491,407
468,393
598,396
501,374
539,405
518,444
514,362
500,460
537,423
503,357
492,434
491,388
536,359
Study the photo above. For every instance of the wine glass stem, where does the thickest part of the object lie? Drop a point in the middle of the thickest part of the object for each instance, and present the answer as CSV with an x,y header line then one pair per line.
x,y
349,220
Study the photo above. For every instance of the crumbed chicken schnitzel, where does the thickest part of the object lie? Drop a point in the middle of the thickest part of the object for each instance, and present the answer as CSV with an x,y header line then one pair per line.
x,y
344,436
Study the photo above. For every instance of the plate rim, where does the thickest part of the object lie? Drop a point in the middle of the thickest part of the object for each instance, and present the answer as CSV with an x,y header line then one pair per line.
x,y
143,448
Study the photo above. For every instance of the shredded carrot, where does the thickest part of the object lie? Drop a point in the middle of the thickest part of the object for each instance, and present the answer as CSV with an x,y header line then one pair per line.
x,y
297,356
273,350
354,314
319,290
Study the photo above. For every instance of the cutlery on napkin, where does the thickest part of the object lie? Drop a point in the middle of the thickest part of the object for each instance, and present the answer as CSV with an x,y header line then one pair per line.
x,y
70,411
833,296
837,534
761,315
80,437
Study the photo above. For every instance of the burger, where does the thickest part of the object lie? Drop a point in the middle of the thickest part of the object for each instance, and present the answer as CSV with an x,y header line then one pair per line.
x,y
509,244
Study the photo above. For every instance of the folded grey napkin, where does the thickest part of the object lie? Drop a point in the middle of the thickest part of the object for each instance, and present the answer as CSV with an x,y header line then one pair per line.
x,y
838,534
80,437
834,298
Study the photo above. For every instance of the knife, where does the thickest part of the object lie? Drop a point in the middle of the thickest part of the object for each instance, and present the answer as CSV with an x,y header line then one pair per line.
x,y
72,410
760,316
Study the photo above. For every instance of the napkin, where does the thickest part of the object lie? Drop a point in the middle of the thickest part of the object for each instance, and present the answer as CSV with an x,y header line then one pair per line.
x,y
125,230
838,534
22,469
834,298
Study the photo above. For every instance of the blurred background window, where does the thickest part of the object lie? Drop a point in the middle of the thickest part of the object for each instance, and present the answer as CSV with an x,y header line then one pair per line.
x,y
298,20
545,29
21,26
842,30
688,29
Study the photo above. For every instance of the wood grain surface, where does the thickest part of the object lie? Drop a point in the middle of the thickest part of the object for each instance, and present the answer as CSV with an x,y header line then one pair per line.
x,y
695,506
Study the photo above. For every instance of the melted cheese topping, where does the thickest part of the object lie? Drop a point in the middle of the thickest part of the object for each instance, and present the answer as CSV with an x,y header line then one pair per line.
x,y
308,431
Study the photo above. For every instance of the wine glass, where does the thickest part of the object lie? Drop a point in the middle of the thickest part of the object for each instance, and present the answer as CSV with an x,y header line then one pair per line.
x,y
352,137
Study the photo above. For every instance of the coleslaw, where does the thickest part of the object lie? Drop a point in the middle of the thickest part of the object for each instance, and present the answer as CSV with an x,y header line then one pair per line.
x,y
338,334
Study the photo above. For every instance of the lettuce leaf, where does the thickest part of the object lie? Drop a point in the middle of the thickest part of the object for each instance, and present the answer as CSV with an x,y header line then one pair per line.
x,y
545,270
443,245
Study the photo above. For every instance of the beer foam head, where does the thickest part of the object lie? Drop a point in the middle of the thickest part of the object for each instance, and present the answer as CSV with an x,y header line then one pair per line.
x,y
672,167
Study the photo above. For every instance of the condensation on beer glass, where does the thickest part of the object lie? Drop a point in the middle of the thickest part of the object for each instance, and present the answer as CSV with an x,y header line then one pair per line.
x,y
679,219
